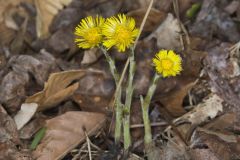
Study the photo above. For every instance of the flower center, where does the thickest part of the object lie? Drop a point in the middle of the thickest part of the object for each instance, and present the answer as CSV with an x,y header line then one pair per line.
x,y
167,64
122,34
93,36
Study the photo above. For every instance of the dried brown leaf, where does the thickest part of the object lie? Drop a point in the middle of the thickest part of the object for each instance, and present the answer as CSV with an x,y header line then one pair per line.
x,y
225,121
174,101
155,18
208,109
218,145
167,34
46,10
56,89
65,132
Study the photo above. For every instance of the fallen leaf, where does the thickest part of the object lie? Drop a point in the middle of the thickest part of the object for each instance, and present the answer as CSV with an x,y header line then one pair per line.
x,y
13,90
32,127
174,101
223,122
222,68
46,10
40,66
207,109
232,7
6,5
65,132
174,149
7,35
216,145
7,23
154,19
25,114
229,138
57,89
95,90
9,139
167,34
213,21
8,129
90,56
9,151
14,84
203,154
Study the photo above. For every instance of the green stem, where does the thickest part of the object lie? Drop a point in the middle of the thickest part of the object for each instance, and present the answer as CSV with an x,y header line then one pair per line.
x,y
118,104
145,108
118,112
112,65
128,102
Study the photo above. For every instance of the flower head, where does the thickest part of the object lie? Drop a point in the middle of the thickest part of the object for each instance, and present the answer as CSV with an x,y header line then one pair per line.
x,y
167,63
89,32
119,31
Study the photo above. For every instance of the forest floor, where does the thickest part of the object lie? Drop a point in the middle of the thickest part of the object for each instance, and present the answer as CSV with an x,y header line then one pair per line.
x,y
51,89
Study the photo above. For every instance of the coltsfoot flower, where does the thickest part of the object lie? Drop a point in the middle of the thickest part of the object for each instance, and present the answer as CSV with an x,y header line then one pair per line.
x,y
167,63
89,32
119,31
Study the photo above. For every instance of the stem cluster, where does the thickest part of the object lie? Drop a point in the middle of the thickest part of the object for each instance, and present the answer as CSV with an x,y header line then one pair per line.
x,y
122,111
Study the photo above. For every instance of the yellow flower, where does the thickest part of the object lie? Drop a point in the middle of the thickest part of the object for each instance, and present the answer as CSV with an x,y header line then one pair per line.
x,y
167,63
119,31
89,32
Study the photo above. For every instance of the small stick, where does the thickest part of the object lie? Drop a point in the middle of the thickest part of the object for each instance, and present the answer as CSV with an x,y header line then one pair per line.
x,y
156,124
89,146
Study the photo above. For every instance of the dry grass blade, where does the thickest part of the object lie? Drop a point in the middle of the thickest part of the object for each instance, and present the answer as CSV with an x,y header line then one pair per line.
x,y
89,146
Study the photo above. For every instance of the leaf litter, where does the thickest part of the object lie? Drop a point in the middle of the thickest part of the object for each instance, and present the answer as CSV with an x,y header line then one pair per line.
x,y
47,82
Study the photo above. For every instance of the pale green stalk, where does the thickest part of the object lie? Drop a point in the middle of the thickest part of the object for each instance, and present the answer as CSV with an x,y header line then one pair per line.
x,y
148,143
118,105
128,102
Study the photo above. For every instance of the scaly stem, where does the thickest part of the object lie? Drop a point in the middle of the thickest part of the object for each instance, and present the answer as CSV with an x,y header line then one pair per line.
x,y
118,112
148,143
128,102
118,104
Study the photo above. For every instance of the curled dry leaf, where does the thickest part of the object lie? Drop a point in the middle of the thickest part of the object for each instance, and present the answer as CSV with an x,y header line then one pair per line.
x,y
208,109
56,89
25,114
65,132
46,10
167,34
